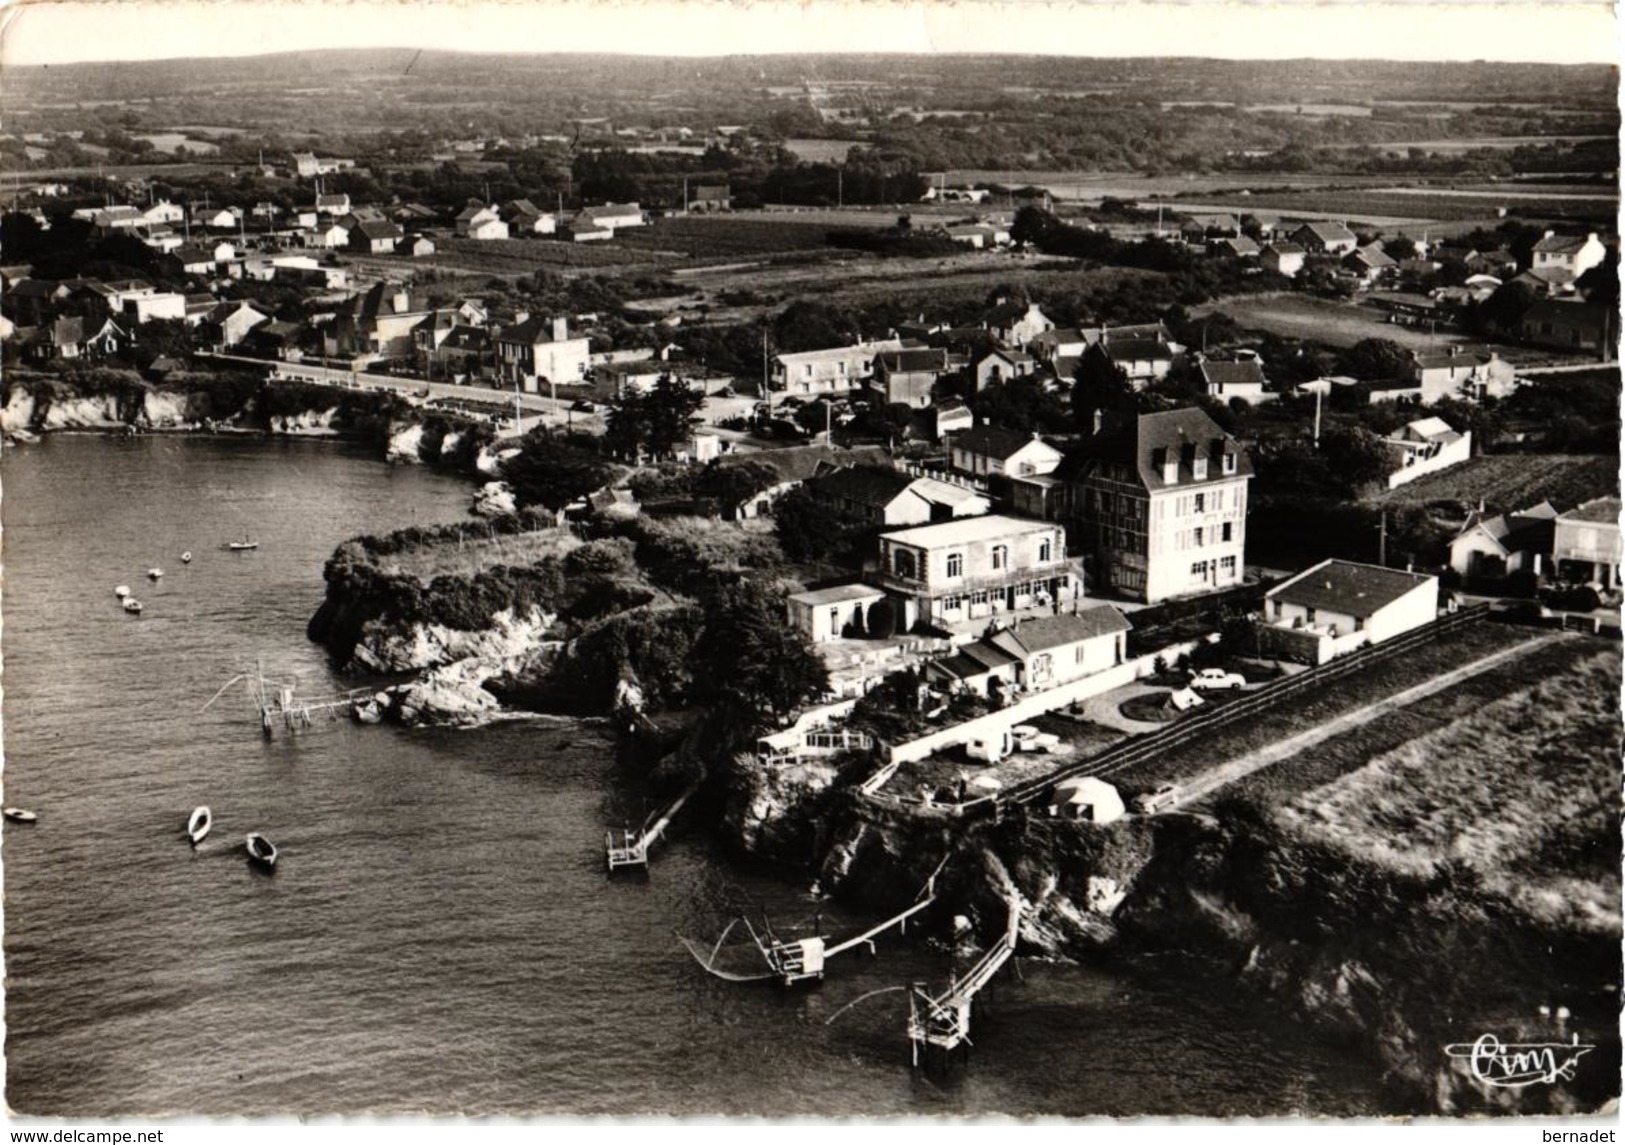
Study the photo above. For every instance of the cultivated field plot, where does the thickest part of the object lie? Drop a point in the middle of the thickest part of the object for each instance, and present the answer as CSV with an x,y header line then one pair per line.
x,y
1390,206
1513,481
523,256
1521,786
722,236
1334,323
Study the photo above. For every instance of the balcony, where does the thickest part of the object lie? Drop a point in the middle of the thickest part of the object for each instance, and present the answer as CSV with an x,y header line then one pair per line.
x,y
1004,578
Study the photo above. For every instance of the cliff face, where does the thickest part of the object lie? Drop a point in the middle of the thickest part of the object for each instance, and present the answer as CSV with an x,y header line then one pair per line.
x,y
1400,971
26,411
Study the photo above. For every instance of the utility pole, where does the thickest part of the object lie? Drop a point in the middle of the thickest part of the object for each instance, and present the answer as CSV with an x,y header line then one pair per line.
x,y
767,386
1382,540
1317,417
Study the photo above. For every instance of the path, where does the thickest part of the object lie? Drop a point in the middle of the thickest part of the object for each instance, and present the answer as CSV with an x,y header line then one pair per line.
x,y
1210,781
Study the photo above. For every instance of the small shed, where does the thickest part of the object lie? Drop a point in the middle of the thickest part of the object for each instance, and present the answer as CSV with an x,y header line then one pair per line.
x,y
1087,798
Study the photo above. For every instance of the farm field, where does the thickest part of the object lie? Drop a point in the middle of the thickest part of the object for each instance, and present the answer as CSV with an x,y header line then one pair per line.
x,y
722,236
1506,481
523,256
1400,207
1516,777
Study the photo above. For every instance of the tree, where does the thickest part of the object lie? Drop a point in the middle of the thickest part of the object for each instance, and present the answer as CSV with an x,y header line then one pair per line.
x,y
1101,386
749,661
656,421
811,529
1399,249
1357,457
553,472
1376,359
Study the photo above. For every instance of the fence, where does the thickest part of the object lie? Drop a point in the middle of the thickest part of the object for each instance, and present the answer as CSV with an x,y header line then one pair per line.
x,y
1194,726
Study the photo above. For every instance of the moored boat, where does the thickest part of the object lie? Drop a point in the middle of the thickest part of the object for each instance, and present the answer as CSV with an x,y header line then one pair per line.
x,y
186,557
122,591
154,573
132,605
242,546
261,850
19,815
198,825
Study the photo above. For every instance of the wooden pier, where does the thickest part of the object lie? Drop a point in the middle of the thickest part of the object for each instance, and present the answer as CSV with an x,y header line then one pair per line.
x,y
633,849
942,1021
279,703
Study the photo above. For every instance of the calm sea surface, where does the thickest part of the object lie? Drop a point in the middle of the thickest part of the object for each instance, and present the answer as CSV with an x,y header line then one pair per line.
x,y
439,934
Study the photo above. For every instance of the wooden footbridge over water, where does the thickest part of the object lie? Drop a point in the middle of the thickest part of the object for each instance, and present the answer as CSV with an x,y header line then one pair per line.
x,y
942,1021
633,849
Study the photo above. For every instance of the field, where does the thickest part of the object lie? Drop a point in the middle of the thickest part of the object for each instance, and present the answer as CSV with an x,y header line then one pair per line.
x,y
723,236
523,256
1517,780
1391,207
1513,481
1320,320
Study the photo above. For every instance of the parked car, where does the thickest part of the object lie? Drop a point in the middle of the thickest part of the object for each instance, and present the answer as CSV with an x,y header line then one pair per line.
x,y
1150,802
582,405
1216,680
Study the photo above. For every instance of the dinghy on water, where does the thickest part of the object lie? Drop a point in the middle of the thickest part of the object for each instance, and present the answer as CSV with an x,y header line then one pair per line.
x,y
18,815
132,605
243,545
154,573
186,557
122,591
198,825
261,850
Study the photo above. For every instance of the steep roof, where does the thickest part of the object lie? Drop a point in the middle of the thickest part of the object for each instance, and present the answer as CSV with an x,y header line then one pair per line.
x,y
866,484
1348,587
1249,373
1142,442
531,332
993,441
913,361
1041,633
1327,232
800,462
1372,256
1562,244
1285,248
1136,349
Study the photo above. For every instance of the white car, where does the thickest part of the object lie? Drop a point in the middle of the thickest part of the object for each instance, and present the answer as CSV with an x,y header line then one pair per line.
x,y
1217,679
1150,802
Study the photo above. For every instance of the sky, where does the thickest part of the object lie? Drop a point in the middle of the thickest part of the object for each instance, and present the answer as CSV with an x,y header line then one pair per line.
x,y
49,32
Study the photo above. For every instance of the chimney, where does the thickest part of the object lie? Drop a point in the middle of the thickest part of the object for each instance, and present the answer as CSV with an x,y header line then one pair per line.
x,y
1100,418
402,301
561,329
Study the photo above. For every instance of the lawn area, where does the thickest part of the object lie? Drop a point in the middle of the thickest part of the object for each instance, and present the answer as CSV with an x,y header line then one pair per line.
x,y
1322,320
479,550
523,256
1518,780
1513,481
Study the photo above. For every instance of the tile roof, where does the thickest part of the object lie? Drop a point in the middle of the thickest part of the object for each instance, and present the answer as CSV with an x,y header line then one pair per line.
x,y
1247,373
1146,439
1562,244
1041,633
993,441
1327,232
913,361
866,484
1349,588
1600,510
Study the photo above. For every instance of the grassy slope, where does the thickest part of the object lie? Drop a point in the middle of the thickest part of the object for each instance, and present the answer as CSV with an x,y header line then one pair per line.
x,y
1523,789
1514,481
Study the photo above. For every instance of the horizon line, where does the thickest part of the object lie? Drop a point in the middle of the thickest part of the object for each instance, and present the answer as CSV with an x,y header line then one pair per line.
x,y
68,32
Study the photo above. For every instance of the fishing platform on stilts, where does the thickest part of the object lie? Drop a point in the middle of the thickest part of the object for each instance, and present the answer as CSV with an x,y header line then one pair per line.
x,y
280,703
633,849
942,1021
800,959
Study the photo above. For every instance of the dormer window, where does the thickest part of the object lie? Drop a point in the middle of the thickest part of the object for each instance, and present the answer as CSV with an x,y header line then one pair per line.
x,y
1199,469
1229,462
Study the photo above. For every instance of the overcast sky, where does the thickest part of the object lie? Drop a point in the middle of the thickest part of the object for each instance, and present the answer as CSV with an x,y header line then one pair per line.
x,y
49,32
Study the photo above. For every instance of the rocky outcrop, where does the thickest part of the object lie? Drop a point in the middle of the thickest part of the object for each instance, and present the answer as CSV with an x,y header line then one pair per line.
x,y
311,423
508,639
495,499
404,444
773,810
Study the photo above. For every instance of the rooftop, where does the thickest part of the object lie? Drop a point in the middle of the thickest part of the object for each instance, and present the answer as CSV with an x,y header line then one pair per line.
x,y
836,594
1347,587
1603,510
968,530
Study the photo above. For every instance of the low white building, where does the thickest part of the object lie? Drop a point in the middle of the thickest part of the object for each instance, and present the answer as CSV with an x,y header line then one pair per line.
x,y
835,370
1087,798
1338,606
824,614
1425,446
